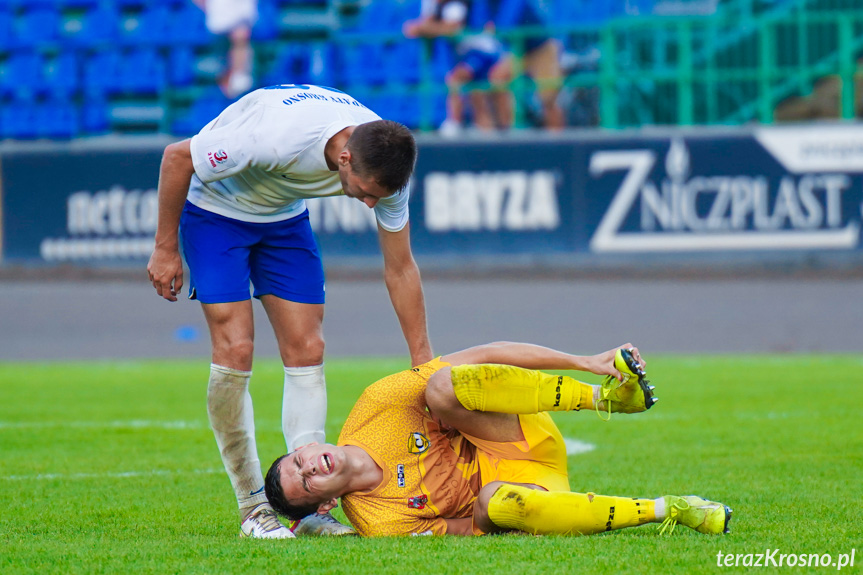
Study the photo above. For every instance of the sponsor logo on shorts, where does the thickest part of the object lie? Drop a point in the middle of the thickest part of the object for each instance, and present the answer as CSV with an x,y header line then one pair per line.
x,y
418,502
400,473
417,443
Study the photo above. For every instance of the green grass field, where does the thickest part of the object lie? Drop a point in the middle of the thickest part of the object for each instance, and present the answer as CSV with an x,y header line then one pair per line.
x,y
110,467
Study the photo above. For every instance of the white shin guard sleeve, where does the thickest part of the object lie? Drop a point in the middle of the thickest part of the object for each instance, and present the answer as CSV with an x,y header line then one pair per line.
x,y
304,406
229,407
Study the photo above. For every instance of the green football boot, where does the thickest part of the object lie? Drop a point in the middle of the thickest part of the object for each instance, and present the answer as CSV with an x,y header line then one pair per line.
x,y
632,395
696,513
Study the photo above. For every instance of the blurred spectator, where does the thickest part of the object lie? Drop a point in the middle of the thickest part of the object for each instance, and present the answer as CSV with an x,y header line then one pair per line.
x,y
233,19
541,56
479,54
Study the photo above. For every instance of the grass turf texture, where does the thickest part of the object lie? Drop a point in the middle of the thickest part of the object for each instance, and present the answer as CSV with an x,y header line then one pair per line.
x,y
110,467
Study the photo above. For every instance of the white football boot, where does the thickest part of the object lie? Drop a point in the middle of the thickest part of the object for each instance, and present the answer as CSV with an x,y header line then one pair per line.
x,y
318,525
262,523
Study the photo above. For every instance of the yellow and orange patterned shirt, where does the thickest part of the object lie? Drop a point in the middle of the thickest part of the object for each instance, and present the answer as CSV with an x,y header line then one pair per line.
x,y
428,475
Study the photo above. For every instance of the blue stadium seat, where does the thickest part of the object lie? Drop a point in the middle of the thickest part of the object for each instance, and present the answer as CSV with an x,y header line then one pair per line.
x,y
402,108
181,66
187,26
401,12
37,26
94,115
443,58
62,73
267,26
102,72
138,4
370,97
18,120
78,4
384,16
209,105
402,60
322,64
302,63
99,27
143,71
361,64
57,119
581,12
152,26
6,28
23,75
30,4
289,67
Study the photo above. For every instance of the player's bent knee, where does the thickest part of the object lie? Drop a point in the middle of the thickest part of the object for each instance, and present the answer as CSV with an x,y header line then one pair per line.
x,y
481,519
440,397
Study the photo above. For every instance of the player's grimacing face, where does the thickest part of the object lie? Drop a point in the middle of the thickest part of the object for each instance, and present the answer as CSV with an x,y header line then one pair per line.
x,y
314,473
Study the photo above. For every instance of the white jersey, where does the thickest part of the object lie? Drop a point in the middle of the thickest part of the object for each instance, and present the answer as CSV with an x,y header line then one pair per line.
x,y
264,154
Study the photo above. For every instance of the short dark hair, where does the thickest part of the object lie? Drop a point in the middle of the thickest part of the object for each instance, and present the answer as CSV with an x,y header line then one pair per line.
x,y
385,151
276,495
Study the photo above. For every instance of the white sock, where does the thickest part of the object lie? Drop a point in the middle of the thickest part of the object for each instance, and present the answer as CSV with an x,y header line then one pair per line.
x,y
304,406
659,508
229,406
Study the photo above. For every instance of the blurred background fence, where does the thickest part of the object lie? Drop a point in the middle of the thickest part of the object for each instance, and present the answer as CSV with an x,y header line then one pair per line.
x,y
674,148
71,68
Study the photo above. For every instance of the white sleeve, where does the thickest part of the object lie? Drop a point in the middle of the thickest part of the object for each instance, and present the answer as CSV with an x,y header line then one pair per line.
x,y
392,212
225,148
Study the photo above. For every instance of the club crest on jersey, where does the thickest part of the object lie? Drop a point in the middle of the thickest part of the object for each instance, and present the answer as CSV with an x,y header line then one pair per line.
x,y
220,160
400,473
417,443
418,502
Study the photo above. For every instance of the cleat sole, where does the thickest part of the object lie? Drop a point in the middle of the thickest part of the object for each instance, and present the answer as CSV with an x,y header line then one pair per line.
x,y
643,383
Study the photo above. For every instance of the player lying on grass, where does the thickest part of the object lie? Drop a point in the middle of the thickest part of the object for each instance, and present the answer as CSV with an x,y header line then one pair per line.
x,y
463,445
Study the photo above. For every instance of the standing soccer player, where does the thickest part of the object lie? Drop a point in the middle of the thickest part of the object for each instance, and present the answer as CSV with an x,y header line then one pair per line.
x,y
235,193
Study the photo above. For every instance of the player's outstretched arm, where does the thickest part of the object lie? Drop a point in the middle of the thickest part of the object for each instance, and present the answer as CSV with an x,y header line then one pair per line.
x,y
166,266
532,356
402,277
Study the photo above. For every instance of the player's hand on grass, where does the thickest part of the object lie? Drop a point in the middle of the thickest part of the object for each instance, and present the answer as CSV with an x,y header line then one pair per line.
x,y
166,272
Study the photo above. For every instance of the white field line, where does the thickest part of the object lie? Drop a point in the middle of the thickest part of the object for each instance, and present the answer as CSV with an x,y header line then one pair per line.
x,y
576,447
109,475
131,424
778,359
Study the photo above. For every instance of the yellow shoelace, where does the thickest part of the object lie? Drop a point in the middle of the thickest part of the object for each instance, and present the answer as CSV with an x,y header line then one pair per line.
x,y
671,518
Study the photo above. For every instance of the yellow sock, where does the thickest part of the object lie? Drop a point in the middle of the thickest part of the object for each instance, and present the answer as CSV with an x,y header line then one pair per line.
x,y
509,389
563,513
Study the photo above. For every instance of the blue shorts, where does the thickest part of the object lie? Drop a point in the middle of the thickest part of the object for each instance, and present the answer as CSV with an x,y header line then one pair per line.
x,y
480,63
224,254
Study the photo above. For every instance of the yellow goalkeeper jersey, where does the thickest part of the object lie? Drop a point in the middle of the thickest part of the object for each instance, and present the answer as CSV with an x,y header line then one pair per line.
x,y
428,475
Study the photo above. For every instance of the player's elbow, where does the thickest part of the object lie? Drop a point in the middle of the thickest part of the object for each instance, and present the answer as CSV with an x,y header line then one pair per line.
x,y
178,155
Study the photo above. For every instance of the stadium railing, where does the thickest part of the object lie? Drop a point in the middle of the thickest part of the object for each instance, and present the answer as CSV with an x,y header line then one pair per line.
x,y
85,67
